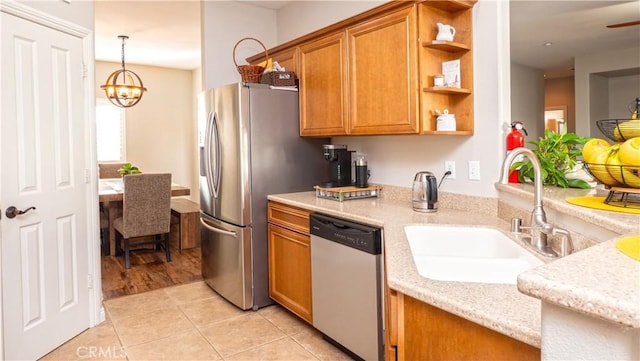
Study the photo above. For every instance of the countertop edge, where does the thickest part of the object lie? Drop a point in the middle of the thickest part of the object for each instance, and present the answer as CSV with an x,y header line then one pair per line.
x,y
555,198
584,290
566,282
402,276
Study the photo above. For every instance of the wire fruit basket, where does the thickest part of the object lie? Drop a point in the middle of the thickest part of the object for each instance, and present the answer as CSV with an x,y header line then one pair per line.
x,y
619,130
250,73
622,181
615,175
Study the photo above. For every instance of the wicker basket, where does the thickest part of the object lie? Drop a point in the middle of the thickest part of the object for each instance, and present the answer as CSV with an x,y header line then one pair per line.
x,y
250,73
279,78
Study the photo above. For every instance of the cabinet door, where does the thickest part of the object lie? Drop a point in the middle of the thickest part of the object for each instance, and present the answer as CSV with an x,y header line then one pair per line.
x,y
429,333
290,270
323,90
288,59
383,71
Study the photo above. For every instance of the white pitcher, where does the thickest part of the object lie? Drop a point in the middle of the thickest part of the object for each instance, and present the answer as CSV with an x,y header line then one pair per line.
x,y
445,32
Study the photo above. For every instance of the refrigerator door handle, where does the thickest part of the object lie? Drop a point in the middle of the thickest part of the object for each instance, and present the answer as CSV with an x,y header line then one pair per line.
x,y
212,140
218,230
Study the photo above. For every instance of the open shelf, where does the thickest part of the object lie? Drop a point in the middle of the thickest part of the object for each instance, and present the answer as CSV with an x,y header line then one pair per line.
x,y
449,46
433,53
457,132
447,90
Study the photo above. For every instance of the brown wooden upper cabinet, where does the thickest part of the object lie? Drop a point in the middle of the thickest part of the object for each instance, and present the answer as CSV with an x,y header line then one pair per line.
x,y
358,81
372,74
287,58
324,97
383,68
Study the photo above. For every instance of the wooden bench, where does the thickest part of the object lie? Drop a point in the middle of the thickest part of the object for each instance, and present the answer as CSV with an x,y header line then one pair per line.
x,y
185,223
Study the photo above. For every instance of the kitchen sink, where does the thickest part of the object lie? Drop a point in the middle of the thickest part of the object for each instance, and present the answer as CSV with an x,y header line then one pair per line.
x,y
467,254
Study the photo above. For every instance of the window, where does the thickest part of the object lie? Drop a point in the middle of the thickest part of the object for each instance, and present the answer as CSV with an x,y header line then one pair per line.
x,y
109,131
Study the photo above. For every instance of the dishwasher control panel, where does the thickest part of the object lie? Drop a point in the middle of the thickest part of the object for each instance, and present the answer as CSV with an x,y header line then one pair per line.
x,y
355,235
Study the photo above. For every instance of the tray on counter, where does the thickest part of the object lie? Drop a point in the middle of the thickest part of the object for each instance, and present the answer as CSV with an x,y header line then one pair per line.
x,y
346,193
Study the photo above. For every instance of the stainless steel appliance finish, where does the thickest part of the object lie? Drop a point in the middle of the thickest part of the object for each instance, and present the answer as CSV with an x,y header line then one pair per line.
x,y
250,147
346,283
425,192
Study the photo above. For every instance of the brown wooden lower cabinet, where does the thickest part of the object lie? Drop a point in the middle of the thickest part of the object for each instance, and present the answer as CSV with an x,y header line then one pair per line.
x,y
419,331
290,259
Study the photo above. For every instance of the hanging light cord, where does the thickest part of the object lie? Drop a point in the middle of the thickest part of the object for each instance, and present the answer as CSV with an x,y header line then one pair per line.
x,y
123,37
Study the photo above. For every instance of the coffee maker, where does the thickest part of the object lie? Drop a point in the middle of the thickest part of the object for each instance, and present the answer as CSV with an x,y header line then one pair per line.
x,y
339,159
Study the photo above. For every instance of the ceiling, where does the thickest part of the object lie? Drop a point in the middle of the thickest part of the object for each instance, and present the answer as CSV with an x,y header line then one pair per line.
x,y
161,33
573,27
167,33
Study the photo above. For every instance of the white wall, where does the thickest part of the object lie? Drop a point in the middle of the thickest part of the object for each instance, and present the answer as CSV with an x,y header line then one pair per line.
x,y
569,335
224,23
527,100
595,66
598,103
302,17
393,160
622,91
161,129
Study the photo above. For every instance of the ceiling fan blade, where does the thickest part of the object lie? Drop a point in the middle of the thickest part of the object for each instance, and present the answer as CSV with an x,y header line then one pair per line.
x,y
621,25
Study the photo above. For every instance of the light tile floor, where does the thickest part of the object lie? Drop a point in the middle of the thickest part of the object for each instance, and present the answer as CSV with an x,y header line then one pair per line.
x,y
191,322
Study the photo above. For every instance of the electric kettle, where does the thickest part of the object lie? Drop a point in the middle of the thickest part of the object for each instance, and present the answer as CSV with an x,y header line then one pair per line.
x,y
425,192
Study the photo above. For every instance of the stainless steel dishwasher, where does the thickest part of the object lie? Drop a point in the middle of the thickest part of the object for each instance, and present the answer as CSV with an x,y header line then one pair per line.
x,y
346,284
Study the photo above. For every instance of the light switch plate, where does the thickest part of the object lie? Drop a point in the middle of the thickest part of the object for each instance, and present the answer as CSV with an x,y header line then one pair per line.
x,y
474,170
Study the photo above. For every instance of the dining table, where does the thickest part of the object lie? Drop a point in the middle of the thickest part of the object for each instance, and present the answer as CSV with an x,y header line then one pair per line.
x,y
110,196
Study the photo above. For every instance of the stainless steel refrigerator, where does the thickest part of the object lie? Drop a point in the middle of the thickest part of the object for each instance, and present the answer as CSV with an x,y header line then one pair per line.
x,y
250,147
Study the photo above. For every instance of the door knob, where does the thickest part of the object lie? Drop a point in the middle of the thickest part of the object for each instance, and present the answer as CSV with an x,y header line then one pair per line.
x,y
12,211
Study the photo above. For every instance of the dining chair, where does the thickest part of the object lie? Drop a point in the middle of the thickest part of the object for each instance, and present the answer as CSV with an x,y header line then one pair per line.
x,y
109,170
146,212
106,170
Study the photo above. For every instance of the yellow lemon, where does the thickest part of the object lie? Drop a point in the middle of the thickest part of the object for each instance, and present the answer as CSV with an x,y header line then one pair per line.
x,y
625,175
630,152
598,168
593,147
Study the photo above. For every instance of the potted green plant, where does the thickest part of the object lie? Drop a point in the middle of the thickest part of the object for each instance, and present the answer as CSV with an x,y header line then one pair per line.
x,y
128,168
558,156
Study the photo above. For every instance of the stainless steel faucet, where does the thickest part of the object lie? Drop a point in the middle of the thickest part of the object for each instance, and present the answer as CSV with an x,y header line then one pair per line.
x,y
539,227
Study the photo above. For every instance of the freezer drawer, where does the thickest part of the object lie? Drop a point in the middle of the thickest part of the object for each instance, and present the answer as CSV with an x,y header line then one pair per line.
x,y
226,260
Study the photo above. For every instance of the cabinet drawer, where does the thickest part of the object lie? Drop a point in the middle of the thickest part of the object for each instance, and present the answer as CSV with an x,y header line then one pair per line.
x,y
293,218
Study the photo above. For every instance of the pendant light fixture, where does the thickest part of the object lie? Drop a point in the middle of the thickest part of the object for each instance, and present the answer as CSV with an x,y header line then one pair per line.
x,y
123,87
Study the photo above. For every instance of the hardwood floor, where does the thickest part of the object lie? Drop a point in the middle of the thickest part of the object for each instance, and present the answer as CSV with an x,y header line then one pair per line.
x,y
149,271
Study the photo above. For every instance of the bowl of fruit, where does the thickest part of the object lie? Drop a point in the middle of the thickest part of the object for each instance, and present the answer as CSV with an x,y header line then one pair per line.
x,y
619,130
616,165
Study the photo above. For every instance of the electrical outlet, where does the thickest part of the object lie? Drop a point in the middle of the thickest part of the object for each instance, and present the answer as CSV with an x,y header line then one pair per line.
x,y
474,170
450,166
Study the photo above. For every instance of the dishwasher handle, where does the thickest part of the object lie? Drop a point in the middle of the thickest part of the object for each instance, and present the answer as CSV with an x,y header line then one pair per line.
x,y
359,236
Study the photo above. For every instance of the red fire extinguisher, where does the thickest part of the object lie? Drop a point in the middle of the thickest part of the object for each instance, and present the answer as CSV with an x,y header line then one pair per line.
x,y
515,139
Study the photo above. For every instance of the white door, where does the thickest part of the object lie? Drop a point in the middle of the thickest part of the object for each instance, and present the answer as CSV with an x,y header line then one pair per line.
x,y
45,295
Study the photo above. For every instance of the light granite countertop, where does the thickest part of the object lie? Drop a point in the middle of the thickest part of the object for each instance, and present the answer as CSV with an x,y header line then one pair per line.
x,y
495,306
598,281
